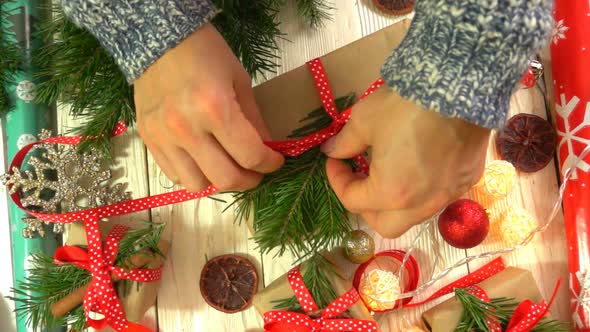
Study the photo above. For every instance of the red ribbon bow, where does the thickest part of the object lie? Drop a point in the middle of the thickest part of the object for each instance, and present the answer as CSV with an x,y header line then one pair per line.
x,y
101,296
283,321
525,316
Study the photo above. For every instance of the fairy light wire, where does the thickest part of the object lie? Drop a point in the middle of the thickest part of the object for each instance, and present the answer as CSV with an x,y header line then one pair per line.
x,y
465,260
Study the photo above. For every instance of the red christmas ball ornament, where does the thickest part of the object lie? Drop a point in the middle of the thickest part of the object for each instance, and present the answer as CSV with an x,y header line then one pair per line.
x,y
464,224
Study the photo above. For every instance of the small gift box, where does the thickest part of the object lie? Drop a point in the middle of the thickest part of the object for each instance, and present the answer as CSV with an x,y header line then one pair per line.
x,y
348,304
137,297
511,282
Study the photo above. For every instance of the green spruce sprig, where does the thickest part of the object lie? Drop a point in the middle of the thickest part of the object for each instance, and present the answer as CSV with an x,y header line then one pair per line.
x,y
314,12
50,282
75,71
294,209
317,282
476,314
10,58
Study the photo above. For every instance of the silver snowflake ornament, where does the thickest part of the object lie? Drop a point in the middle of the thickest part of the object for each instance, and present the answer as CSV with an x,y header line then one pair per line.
x,y
60,180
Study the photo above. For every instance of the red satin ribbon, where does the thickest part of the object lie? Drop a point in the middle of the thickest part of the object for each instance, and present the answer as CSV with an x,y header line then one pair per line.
x,y
479,275
294,147
101,296
286,321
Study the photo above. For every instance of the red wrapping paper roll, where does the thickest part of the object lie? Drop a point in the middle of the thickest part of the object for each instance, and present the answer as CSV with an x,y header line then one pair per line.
x,y
570,53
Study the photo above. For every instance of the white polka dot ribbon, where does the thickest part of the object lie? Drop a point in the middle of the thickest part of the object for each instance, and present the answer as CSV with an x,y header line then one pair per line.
x,y
286,321
101,303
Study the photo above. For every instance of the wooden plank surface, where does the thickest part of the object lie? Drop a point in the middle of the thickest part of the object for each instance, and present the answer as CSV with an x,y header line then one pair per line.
x,y
199,229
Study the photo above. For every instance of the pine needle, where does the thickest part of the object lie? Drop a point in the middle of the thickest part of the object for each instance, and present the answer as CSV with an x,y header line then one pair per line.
x,y
294,209
314,12
10,59
46,283
317,282
476,314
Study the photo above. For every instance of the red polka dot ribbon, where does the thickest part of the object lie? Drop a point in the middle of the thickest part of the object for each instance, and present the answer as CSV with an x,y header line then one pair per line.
x,y
286,321
90,217
101,297
295,147
477,276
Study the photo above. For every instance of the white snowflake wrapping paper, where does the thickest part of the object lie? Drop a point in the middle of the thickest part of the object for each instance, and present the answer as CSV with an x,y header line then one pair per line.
x,y
570,56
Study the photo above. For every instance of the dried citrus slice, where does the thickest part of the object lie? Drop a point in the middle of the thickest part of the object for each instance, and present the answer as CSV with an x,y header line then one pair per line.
x,y
527,141
395,7
228,283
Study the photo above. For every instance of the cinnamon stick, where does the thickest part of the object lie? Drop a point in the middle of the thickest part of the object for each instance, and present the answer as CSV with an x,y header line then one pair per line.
x,y
75,298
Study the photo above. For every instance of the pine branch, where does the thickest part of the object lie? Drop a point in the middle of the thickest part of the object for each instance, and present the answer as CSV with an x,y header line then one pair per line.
x,y
477,312
10,59
315,12
251,30
50,282
76,71
295,208
317,282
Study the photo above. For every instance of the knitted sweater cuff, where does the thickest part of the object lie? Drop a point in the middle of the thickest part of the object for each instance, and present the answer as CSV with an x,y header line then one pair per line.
x,y
463,59
138,32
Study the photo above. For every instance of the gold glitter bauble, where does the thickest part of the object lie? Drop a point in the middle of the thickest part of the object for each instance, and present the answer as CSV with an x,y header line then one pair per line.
x,y
515,225
359,247
379,289
498,178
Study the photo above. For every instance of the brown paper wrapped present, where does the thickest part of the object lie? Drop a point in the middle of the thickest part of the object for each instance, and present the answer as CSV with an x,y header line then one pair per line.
x,y
265,300
137,300
286,99
511,283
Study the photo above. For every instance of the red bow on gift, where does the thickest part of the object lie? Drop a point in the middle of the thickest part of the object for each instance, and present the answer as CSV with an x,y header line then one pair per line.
x,y
525,316
283,321
101,297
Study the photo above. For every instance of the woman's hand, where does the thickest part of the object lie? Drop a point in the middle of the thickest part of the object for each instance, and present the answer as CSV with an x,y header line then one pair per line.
x,y
197,115
420,161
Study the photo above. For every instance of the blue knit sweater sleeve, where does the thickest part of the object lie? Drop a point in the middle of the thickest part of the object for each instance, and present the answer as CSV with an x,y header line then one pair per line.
x,y
138,32
463,58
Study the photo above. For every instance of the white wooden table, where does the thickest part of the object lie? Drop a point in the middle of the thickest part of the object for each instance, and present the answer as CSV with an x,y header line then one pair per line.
x,y
199,229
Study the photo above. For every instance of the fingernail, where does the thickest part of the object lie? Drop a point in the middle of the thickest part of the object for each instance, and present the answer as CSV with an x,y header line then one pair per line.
x,y
328,145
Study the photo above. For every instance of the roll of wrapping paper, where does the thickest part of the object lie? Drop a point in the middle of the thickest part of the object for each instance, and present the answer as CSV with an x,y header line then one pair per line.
x,y
21,126
570,57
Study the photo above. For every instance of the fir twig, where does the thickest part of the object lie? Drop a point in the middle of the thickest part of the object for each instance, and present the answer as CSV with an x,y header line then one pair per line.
x,y
10,58
317,282
476,314
251,30
314,12
50,282
76,71
295,208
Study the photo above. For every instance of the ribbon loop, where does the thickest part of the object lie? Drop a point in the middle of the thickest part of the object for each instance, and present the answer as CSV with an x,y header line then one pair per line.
x,y
283,321
101,303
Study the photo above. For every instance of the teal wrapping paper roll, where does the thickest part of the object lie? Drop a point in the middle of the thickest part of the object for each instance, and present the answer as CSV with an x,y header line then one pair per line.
x,y
21,125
